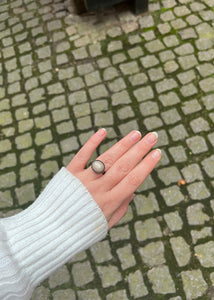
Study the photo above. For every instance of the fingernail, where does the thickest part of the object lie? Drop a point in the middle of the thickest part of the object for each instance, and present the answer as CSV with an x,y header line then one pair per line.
x,y
152,137
156,154
135,136
101,132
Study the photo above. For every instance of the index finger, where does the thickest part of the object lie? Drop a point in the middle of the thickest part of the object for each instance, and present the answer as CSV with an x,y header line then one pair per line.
x,y
80,160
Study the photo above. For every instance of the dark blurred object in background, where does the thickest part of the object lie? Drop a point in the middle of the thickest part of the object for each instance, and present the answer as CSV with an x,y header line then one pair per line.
x,y
94,5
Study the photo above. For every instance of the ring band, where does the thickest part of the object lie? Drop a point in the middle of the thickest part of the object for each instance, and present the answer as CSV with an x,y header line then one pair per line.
x,y
98,167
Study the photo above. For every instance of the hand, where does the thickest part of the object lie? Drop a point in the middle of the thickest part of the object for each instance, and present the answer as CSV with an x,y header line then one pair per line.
x,y
127,166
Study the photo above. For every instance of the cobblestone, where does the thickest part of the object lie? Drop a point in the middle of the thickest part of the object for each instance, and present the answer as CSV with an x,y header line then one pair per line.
x,y
63,74
187,62
118,58
198,191
117,295
190,107
153,254
138,79
207,84
149,61
174,221
199,125
181,250
171,116
148,229
197,144
120,233
135,280
64,294
208,165
98,91
178,153
110,73
129,68
60,277
192,173
149,108
144,94
101,252
152,123
92,78
164,28
204,253
195,214
82,273
156,74
146,205
169,99
126,257
169,175
114,46
154,46
189,90
194,283
166,85
205,69
170,66
109,275
172,196
157,276
201,234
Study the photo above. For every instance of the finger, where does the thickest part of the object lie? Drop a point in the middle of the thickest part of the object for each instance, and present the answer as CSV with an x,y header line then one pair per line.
x,y
135,178
116,151
129,160
81,158
120,212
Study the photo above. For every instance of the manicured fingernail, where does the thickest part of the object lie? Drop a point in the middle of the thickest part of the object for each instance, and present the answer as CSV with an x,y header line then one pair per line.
x,y
135,136
101,132
152,137
156,154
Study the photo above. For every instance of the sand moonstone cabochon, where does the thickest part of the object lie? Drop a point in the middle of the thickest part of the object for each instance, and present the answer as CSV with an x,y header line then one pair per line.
x,y
98,167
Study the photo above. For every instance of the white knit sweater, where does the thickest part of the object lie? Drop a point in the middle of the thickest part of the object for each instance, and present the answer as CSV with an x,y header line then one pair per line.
x,y
63,221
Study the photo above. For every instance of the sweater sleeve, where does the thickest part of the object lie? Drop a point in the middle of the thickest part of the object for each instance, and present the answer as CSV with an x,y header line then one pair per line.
x,y
63,221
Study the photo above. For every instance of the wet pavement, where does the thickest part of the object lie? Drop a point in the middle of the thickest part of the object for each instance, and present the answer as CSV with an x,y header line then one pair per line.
x,y
63,76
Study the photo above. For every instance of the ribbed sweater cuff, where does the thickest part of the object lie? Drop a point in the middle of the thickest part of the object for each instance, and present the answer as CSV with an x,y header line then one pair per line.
x,y
63,221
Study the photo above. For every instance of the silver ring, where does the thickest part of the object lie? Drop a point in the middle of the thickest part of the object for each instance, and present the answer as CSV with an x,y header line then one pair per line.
x,y
98,167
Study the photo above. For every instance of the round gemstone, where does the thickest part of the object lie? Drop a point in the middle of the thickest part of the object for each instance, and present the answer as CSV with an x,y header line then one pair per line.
x,y
98,166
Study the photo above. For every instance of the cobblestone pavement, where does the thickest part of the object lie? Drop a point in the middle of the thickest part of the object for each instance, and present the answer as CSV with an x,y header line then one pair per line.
x,y
62,76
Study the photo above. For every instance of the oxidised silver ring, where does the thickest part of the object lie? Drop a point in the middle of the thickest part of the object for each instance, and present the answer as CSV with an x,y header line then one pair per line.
x,y
98,167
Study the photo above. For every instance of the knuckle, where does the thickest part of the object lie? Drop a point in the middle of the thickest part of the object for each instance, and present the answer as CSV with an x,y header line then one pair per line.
x,y
133,179
81,159
144,148
108,162
122,145
123,168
